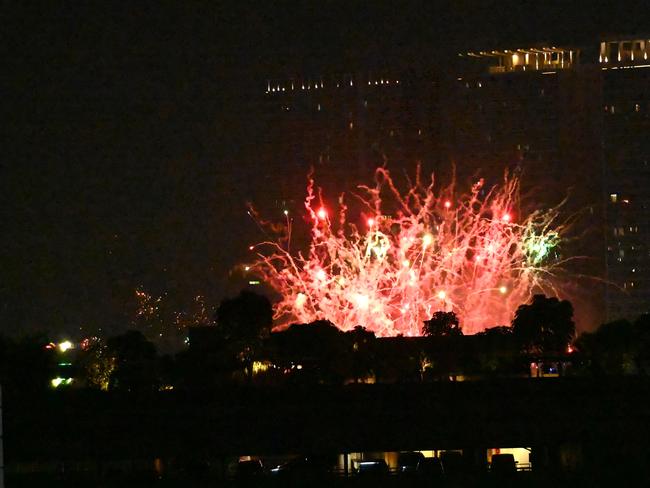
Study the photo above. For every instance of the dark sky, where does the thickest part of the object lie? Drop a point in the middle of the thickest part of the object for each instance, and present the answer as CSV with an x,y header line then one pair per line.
x,y
125,131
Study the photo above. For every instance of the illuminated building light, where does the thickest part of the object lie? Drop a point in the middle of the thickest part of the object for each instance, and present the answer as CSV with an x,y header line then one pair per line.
x,y
65,345
261,366
58,381
299,366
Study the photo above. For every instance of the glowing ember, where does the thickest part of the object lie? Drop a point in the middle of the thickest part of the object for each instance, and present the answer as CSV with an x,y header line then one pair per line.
x,y
423,257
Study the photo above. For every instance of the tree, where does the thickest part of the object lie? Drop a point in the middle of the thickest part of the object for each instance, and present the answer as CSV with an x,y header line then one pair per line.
x,y
545,325
318,347
442,324
135,362
247,317
612,349
98,364
243,322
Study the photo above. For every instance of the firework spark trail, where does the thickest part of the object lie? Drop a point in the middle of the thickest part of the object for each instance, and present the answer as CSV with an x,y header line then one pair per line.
x,y
470,253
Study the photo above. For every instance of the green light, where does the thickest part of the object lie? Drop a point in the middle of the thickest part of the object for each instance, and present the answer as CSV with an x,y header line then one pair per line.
x,y
538,247
65,364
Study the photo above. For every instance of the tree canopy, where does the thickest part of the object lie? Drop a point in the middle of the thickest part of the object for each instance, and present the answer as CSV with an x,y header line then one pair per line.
x,y
247,317
442,324
545,325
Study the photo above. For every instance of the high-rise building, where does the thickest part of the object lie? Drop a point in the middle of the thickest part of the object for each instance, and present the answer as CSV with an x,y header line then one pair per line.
x,y
625,109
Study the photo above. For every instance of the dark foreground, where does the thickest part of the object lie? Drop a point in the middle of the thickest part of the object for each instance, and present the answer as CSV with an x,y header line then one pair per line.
x,y
581,433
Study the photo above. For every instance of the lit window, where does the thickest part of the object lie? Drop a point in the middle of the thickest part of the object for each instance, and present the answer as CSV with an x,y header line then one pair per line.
x,y
613,197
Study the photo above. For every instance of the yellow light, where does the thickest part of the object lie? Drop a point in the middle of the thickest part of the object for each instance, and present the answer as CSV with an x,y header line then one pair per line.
x,y
442,295
260,366
427,240
503,290
362,301
301,298
247,268
55,382
65,345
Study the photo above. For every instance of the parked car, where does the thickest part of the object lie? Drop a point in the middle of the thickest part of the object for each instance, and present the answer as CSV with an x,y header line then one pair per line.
x,y
249,469
430,468
452,462
373,468
503,464
407,462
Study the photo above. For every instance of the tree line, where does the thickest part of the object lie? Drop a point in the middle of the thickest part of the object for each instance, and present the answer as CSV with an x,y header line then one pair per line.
x,y
243,349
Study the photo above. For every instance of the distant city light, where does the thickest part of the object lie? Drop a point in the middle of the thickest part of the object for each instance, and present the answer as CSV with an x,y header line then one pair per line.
x,y
65,345
58,381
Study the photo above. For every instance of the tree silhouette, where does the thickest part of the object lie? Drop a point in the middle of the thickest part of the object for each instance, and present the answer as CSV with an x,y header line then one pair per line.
x,y
244,322
248,317
545,325
442,324
135,362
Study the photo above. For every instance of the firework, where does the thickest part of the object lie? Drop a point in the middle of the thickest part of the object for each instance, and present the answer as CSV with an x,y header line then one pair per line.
x,y
412,253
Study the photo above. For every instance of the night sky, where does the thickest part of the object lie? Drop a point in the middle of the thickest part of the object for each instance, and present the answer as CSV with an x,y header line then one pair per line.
x,y
130,145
